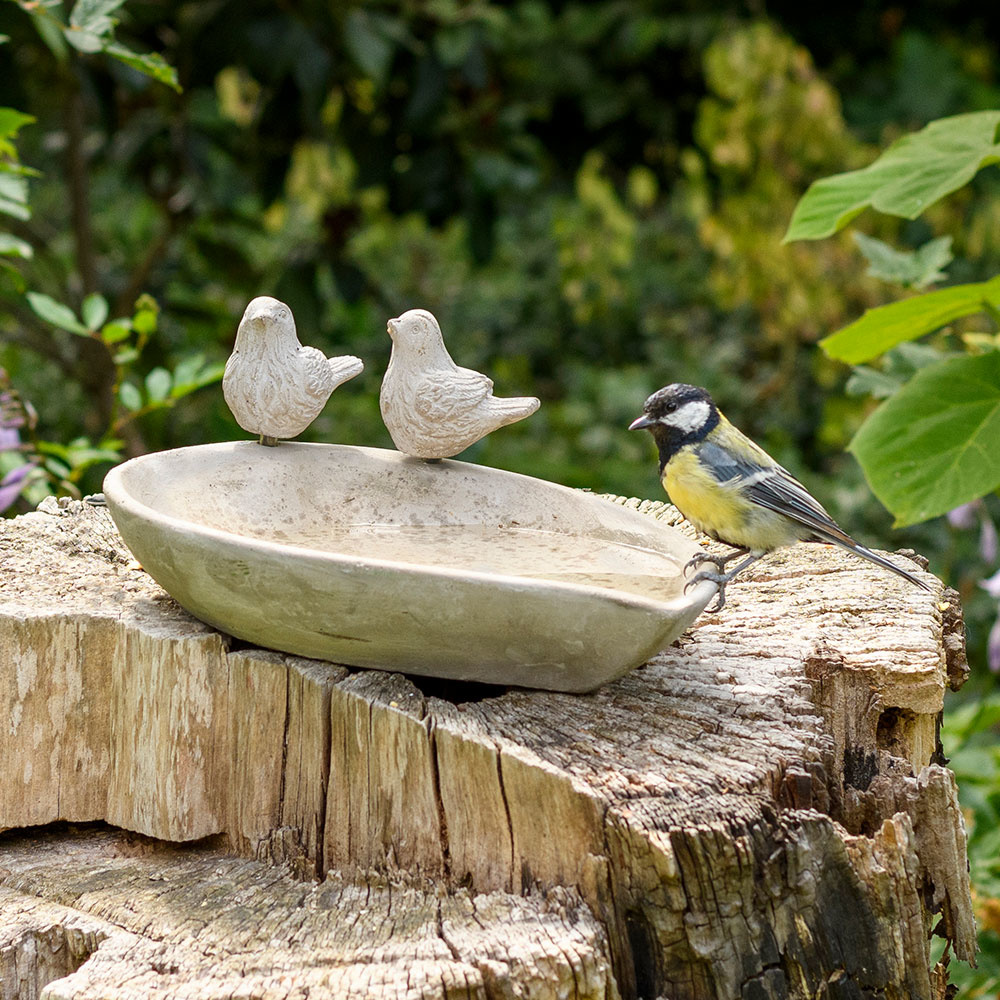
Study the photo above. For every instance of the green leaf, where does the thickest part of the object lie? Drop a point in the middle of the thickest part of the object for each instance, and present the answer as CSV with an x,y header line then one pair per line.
x,y
95,311
865,381
212,372
12,121
115,333
152,64
56,313
913,173
126,356
158,385
144,322
884,327
95,16
84,41
933,445
130,396
187,370
910,268
14,196
11,246
369,44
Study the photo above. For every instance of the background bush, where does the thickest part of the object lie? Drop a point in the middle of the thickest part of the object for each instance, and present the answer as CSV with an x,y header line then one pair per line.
x,y
591,197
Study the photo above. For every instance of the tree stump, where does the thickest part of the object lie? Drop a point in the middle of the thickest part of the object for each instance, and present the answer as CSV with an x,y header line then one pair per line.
x,y
761,811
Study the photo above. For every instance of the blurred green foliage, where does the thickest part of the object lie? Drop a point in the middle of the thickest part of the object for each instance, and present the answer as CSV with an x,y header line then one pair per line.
x,y
590,196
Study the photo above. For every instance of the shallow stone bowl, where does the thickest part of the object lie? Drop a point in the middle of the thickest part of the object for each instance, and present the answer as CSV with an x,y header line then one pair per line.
x,y
366,557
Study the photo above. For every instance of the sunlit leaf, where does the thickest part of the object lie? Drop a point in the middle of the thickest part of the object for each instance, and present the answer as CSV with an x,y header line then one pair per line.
x,y
933,445
115,333
187,368
126,356
12,246
46,308
144,321
11,121
158,385
84,41
95,311
913,173
884,327
130,396
95,15
14,196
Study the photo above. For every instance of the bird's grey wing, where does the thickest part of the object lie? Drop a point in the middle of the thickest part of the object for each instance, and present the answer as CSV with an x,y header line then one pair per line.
x,y
773,487
441,394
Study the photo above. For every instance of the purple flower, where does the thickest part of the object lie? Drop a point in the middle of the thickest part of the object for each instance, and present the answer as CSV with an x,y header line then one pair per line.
x,y
964,516
9,438
992,585
993,648
12,484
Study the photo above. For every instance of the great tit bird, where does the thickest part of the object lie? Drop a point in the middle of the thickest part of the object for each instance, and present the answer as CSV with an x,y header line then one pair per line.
x,y
732,490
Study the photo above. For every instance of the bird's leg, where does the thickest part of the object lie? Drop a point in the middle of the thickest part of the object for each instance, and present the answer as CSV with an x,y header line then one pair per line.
x,y
719,578
720,561
269,441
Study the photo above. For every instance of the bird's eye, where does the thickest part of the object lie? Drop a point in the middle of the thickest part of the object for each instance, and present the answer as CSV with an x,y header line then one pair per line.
x,y
669,407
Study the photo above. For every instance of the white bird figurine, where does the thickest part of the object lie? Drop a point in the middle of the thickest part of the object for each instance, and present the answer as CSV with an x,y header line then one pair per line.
x,y
432,408
275,386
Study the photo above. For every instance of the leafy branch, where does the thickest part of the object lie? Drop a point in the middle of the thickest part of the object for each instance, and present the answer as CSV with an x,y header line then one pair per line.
x,y
931,446
91,30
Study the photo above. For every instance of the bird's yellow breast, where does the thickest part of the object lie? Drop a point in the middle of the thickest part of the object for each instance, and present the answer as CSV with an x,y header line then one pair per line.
x,y
723,510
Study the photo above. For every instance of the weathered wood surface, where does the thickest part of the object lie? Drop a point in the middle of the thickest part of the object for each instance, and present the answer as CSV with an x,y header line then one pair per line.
x,y
759,812
103,914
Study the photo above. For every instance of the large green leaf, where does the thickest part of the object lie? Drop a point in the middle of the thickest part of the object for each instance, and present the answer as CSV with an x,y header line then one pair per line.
x,y
936,443
885,326
911,174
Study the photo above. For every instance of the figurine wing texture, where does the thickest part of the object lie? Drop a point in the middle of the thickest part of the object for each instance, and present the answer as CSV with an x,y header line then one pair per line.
x,y
319,380
442,394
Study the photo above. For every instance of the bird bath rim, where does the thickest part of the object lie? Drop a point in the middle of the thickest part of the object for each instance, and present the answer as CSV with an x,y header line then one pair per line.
x,y
164,539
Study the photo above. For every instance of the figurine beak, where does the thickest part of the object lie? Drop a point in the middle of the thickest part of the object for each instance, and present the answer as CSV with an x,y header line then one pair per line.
x,y
391,328
640,422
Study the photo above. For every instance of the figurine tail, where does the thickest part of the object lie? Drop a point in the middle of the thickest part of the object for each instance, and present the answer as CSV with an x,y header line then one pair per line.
x,y
507,411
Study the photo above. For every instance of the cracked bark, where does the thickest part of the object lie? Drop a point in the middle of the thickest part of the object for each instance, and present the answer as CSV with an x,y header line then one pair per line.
x,y
759,812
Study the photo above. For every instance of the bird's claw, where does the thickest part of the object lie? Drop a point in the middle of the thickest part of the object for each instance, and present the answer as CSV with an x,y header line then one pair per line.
x,y
703,557
716,577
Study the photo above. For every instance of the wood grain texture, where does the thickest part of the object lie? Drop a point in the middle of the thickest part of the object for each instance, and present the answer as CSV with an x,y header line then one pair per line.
x,y
759,812
91,915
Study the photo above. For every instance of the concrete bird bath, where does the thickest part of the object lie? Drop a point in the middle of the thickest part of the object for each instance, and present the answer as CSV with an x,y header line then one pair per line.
x,y
367,557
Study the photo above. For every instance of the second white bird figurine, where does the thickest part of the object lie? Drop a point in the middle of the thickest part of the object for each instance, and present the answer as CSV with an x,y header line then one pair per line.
x,y
275,386
431,406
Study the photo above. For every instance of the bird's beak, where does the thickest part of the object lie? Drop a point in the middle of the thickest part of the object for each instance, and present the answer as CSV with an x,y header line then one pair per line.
x,y
640,422
391,328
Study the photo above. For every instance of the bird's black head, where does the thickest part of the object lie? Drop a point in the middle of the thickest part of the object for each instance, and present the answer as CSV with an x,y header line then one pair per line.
x,y
677,415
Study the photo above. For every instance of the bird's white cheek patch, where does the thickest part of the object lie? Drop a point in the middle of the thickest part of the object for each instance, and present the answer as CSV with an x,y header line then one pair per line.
x,y
690,416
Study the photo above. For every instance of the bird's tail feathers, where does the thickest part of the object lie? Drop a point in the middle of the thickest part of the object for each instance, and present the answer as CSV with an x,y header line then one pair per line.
x,y
860,550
